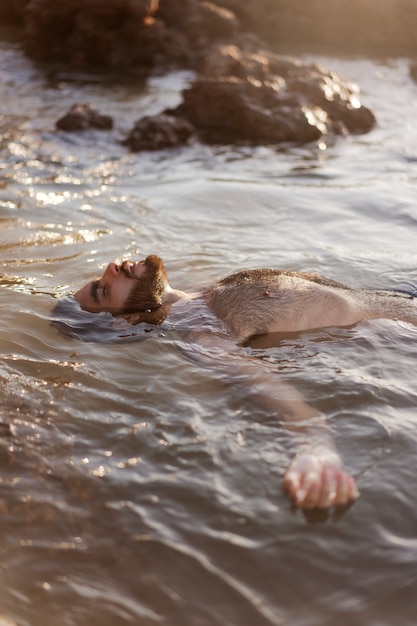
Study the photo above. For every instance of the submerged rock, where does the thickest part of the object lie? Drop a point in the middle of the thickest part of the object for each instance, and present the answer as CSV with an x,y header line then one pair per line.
x,y
82,117
157,132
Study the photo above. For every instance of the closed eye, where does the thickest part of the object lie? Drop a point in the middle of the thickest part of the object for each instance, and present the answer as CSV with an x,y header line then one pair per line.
x,y
94,291
96,288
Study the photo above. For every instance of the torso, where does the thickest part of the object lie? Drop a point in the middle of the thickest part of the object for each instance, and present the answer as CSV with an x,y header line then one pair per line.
x,y
255,302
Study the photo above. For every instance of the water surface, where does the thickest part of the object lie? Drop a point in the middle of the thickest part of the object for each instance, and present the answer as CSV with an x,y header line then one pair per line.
x,y
136,487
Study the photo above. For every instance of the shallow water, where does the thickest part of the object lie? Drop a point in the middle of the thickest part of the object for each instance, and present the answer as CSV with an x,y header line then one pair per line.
x,y
138,488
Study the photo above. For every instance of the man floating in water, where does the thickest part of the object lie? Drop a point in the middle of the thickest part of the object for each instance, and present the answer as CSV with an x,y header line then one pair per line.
x,y
218,321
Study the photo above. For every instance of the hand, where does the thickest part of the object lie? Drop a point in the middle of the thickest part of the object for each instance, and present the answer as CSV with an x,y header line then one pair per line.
x,y
316,479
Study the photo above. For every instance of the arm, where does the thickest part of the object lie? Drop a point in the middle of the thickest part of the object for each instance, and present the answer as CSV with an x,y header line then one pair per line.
x,y
315,477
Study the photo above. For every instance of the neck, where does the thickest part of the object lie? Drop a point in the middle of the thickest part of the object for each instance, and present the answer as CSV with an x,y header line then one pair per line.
x,y
174,295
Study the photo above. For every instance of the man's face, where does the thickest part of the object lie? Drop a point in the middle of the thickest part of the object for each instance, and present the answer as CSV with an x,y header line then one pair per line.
x,y
125,288
113,289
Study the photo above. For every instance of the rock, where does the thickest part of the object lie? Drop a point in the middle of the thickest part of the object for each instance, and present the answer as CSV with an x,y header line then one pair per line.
x,y
12,11
244,91
158,132
83,117
125,34
93,34
114,32
339,98
235,110
213,22
245,56
191,26
199,18
413,70
254,96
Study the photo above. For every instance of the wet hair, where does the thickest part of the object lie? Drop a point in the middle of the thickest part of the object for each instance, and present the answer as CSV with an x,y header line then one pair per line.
x,y
70,320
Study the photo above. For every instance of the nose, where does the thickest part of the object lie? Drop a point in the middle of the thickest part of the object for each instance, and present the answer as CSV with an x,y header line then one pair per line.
x,y
112,270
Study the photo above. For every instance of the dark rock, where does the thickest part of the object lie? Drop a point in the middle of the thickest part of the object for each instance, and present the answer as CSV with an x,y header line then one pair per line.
x,y
257,97
244,92
236,110
191,27
213,22
83,34
330,92
83,117
127,34
199,18
245,56
12,11
183,27
158,132
413,70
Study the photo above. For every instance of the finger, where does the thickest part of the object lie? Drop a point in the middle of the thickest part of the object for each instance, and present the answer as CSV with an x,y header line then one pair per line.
x,y
309,492
347,490
310,497
343,488
353,489
328,493
291,482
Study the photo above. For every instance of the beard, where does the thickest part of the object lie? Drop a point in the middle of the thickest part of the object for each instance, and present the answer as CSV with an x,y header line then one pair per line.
x,y
148,290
